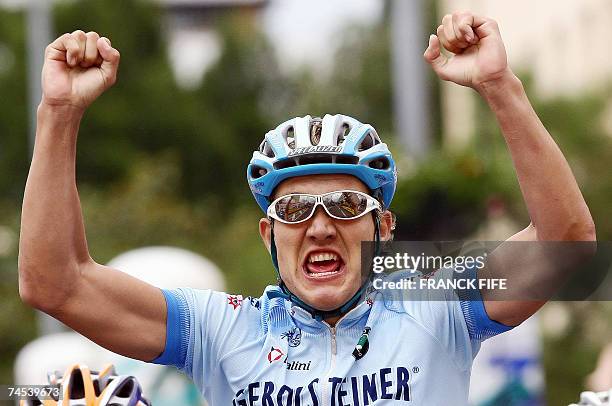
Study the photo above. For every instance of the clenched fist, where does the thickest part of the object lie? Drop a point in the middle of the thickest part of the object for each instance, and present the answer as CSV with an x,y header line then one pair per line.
x,y
479,54
78,68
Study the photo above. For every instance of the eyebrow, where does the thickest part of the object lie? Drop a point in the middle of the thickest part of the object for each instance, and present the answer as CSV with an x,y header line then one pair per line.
x,y
277,195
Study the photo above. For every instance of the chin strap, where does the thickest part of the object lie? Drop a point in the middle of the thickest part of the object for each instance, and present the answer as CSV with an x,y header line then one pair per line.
x,y
321,314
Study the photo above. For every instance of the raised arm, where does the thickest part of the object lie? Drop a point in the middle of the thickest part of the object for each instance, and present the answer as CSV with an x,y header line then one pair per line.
x,y
56,273
556,207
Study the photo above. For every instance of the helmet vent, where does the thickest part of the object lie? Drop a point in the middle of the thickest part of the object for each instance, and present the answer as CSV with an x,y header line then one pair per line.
x,y
367,142
77,385
317,159
290,137
344,130
347,159
380,163
257,172
126,390
265,149
316,125
376,139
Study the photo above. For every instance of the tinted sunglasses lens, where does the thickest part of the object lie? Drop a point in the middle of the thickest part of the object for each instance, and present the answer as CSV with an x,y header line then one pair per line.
x,y
294,208
345,205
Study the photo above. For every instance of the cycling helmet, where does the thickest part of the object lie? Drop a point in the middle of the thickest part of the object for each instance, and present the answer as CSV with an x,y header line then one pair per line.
x,y
81,387
122,391
595,399
311,146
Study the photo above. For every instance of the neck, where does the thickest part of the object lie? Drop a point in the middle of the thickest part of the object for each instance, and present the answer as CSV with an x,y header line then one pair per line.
x,y
332,320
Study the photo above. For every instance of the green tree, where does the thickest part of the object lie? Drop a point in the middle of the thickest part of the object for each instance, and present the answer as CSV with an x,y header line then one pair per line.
x,y
13,114
213,129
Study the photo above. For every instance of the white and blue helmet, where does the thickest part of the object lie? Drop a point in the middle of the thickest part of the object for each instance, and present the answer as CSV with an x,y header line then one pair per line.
x,y
311,145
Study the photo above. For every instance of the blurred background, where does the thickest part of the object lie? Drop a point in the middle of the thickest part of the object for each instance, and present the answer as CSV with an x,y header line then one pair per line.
x,y
162,155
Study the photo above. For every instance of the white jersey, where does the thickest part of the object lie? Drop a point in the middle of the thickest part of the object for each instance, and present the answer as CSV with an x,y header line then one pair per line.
x,y
266,351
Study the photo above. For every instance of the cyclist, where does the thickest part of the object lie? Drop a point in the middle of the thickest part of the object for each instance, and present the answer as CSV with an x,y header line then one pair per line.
x,y
325,185
80,386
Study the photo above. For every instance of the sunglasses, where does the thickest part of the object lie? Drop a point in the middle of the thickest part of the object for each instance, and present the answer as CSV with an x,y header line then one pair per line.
x,y
342,205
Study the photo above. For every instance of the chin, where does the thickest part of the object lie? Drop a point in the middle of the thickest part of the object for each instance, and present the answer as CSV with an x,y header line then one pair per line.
x,y
326,301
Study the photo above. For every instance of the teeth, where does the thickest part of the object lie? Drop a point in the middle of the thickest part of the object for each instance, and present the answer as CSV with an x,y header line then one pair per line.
x,y
327,256
321,274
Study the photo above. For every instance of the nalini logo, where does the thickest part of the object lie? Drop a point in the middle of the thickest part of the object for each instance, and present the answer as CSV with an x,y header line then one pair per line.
x,y
298,366
275,354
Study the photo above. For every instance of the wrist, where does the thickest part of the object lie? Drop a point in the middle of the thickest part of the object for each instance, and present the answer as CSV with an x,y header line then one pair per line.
x,y
500,88
54,121
60,112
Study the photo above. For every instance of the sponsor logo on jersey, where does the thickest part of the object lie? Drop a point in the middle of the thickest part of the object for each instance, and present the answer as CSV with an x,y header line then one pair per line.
x,y
293,336
254,302
330,149
275,354
234,300
297,365
383,384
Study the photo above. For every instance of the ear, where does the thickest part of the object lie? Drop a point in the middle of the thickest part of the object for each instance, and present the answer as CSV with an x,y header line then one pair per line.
x,y
387,225
265,230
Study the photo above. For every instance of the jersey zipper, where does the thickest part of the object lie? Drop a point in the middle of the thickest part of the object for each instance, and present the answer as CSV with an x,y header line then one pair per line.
x,y
334,350
325,392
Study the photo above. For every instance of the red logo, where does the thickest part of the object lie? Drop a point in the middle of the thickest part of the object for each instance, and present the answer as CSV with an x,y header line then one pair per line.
x,y
275,354
234,300
370,302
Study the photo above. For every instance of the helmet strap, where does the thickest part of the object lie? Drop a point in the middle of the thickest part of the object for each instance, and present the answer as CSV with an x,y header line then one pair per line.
x,y
315,313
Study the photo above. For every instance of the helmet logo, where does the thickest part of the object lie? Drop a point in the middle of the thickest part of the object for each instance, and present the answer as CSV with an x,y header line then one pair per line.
x,y
318,148
380,178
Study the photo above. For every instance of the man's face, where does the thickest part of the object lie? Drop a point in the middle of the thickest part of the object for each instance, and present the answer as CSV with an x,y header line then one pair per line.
x,y
320,259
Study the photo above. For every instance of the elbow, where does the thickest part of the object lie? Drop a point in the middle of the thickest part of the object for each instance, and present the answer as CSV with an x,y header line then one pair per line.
x,y
571,230
40,299
587,235
581,231
38,291
579,243
27,282
591,234
27,288
27,294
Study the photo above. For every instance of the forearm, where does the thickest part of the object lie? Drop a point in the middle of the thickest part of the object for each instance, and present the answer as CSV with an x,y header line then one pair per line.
x,y
52,242
554,201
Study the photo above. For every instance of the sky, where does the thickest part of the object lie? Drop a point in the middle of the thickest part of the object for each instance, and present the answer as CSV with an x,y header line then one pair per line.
x,y
300,29
302,33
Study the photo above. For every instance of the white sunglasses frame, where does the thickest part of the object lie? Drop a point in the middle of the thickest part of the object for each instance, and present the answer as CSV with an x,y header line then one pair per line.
x,y
372,204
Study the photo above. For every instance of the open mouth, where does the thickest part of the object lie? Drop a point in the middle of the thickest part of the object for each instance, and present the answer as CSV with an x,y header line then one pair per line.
x,y
323,265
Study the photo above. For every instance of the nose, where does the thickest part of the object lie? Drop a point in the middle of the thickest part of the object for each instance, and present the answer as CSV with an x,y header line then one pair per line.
x,y
321,227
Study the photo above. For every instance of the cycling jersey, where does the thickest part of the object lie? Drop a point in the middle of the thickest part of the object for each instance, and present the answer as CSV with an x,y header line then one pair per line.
x,y
266,351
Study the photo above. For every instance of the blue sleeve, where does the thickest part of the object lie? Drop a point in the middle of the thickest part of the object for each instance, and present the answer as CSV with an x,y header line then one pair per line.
x,y
479,324
178,325
202,327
